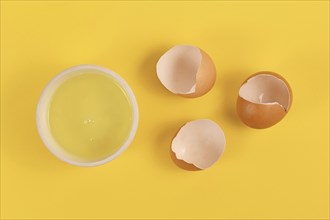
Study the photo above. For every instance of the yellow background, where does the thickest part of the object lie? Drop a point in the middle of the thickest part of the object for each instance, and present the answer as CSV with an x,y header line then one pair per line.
x,y
278,173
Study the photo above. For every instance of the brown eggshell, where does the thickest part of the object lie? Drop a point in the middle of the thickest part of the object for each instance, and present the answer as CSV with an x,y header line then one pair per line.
x,y
198,145
258,115
205,77
182,164
264,115
187,71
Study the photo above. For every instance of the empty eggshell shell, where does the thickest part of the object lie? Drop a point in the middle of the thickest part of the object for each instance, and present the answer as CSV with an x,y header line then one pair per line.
x,y
187,71
263,100
198,145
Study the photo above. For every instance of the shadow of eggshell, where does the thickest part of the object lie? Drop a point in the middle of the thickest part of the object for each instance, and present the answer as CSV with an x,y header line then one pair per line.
x,y
198,145
263,100
187,71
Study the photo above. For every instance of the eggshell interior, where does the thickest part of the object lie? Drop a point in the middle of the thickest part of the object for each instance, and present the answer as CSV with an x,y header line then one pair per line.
x,y
200,142
266,89
178,67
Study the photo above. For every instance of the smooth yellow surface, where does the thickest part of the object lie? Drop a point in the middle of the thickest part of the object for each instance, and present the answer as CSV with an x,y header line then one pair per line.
x,y
277,173
90,116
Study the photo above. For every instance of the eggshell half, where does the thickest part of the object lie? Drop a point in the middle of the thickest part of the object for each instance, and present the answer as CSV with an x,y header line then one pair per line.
x,y
187,71
264,99
198,145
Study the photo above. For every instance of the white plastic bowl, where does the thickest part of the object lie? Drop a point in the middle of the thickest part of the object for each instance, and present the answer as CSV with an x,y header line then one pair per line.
x,y
43,107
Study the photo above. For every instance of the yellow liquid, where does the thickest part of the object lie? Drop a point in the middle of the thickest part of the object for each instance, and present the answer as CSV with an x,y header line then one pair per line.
x,y
90,116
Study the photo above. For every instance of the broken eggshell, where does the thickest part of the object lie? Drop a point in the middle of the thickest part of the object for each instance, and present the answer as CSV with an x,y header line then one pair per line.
x,y
198,145
187,71
263,100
